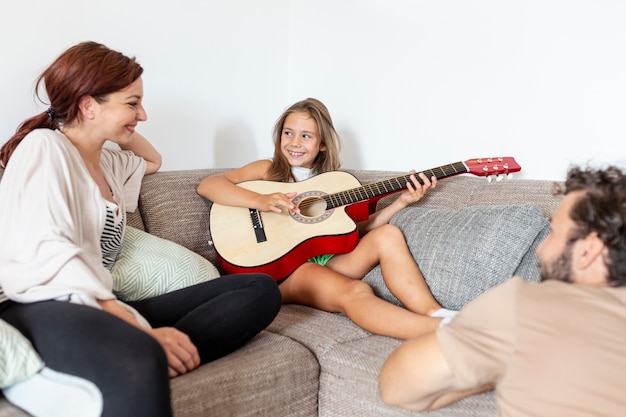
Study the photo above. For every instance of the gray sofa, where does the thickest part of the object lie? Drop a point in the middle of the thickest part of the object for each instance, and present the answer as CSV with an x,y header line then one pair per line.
x,y
312,363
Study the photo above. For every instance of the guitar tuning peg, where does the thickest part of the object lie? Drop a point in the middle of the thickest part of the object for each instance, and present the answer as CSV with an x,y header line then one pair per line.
x,y
499,177
509,176
489,178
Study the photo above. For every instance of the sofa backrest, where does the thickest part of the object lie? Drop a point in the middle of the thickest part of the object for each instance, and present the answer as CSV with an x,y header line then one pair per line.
x,y
169,206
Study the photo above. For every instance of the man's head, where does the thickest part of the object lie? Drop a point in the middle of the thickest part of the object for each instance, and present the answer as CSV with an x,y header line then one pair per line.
x,y
587,243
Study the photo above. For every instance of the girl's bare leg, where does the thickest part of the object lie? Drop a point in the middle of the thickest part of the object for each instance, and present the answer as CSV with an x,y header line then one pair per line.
x,y
320,287
387,246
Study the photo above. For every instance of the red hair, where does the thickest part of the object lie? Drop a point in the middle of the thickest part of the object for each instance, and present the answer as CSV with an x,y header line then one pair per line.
x,y
86,69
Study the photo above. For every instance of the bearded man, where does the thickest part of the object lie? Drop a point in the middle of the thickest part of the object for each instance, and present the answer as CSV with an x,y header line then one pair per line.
x,y
554,348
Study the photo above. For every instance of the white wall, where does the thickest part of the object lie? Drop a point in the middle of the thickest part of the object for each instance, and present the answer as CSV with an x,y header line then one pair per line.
x,y
410,84
215,72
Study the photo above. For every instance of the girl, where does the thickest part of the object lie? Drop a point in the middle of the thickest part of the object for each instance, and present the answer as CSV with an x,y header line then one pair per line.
x,y
306,144
63,200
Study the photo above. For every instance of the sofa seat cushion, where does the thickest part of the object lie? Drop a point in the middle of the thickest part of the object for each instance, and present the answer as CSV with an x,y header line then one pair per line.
x,y
349,384
271,375
316,329
462,252
149,266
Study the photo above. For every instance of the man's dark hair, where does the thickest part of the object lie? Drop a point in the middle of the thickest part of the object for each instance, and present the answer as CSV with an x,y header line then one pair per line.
x,y
601,209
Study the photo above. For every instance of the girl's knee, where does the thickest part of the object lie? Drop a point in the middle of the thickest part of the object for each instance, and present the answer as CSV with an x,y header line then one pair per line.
x,y
387,234
357,290
390,230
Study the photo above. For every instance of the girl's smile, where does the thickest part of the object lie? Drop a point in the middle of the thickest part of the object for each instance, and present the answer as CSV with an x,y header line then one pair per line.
x,y
300,140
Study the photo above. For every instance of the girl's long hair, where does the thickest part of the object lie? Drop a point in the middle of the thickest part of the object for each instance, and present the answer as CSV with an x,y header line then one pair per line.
x,y
326,160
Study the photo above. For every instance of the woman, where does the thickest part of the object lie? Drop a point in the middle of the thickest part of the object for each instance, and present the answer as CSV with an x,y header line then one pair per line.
x,y
63,200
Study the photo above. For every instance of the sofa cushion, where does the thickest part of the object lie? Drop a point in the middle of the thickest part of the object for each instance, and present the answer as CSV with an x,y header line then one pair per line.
x,y
172,209
149,266
271,375
528,267
349,384
18,358
462,252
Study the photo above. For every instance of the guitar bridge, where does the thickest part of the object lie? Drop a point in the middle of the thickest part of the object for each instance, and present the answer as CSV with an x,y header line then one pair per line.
x,y
257,225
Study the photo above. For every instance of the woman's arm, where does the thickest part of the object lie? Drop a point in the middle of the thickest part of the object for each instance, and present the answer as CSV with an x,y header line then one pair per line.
x,y
412,194
222,189
143,148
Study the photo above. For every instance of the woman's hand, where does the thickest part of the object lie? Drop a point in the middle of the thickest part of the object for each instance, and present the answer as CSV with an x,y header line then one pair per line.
x,y
182,355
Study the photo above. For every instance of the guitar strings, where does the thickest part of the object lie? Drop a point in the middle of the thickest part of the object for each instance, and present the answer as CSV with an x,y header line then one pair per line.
x,y
379,188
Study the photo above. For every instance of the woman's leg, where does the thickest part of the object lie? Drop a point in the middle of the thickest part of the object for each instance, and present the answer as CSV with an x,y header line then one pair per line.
x,y
320,287
387,246
218,315
126,364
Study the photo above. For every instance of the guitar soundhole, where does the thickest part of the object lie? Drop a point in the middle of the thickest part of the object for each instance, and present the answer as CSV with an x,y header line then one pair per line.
x,y
312,207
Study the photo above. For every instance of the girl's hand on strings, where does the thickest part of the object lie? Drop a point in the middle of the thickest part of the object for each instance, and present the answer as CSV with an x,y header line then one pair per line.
x,y
277,202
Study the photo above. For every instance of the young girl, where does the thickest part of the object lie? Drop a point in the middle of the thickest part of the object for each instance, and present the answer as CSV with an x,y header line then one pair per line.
x,y
306,144
63,203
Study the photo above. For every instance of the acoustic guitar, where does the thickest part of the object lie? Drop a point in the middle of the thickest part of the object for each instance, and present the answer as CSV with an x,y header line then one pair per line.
x,y
330,204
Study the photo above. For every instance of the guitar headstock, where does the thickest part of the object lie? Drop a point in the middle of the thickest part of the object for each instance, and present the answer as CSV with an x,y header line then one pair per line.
x,y
496,166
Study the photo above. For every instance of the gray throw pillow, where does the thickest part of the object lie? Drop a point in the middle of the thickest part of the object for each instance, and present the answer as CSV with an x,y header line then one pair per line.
x,y
528,268
462,252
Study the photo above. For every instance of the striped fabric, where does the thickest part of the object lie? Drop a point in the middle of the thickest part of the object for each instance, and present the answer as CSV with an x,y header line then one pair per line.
x,y
111,239
149,266
18,359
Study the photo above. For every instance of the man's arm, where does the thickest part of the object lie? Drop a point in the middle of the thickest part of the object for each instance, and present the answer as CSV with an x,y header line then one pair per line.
x,y
417,376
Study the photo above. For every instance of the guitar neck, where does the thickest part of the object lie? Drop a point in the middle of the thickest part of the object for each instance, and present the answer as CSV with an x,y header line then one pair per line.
x,y
389,186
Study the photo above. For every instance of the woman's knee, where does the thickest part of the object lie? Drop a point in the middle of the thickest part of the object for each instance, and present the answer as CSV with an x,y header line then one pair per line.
x,y
122,356
94,345
137,383
265,303
268,288
259,291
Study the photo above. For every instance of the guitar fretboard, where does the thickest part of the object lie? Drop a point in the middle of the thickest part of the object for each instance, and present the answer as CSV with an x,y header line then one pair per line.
x,y
389,186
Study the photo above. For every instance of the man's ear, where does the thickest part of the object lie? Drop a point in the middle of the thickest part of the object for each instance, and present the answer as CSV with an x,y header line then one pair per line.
x,y
591,249
86,107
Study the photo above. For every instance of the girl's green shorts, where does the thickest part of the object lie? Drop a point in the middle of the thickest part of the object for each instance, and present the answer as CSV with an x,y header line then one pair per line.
x,y
321,259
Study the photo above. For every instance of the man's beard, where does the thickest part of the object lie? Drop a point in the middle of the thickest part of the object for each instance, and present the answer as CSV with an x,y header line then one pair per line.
x,y
560,269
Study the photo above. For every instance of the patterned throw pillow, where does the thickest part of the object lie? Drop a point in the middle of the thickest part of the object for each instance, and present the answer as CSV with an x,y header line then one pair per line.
x,y
462,252
18,358
149,266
